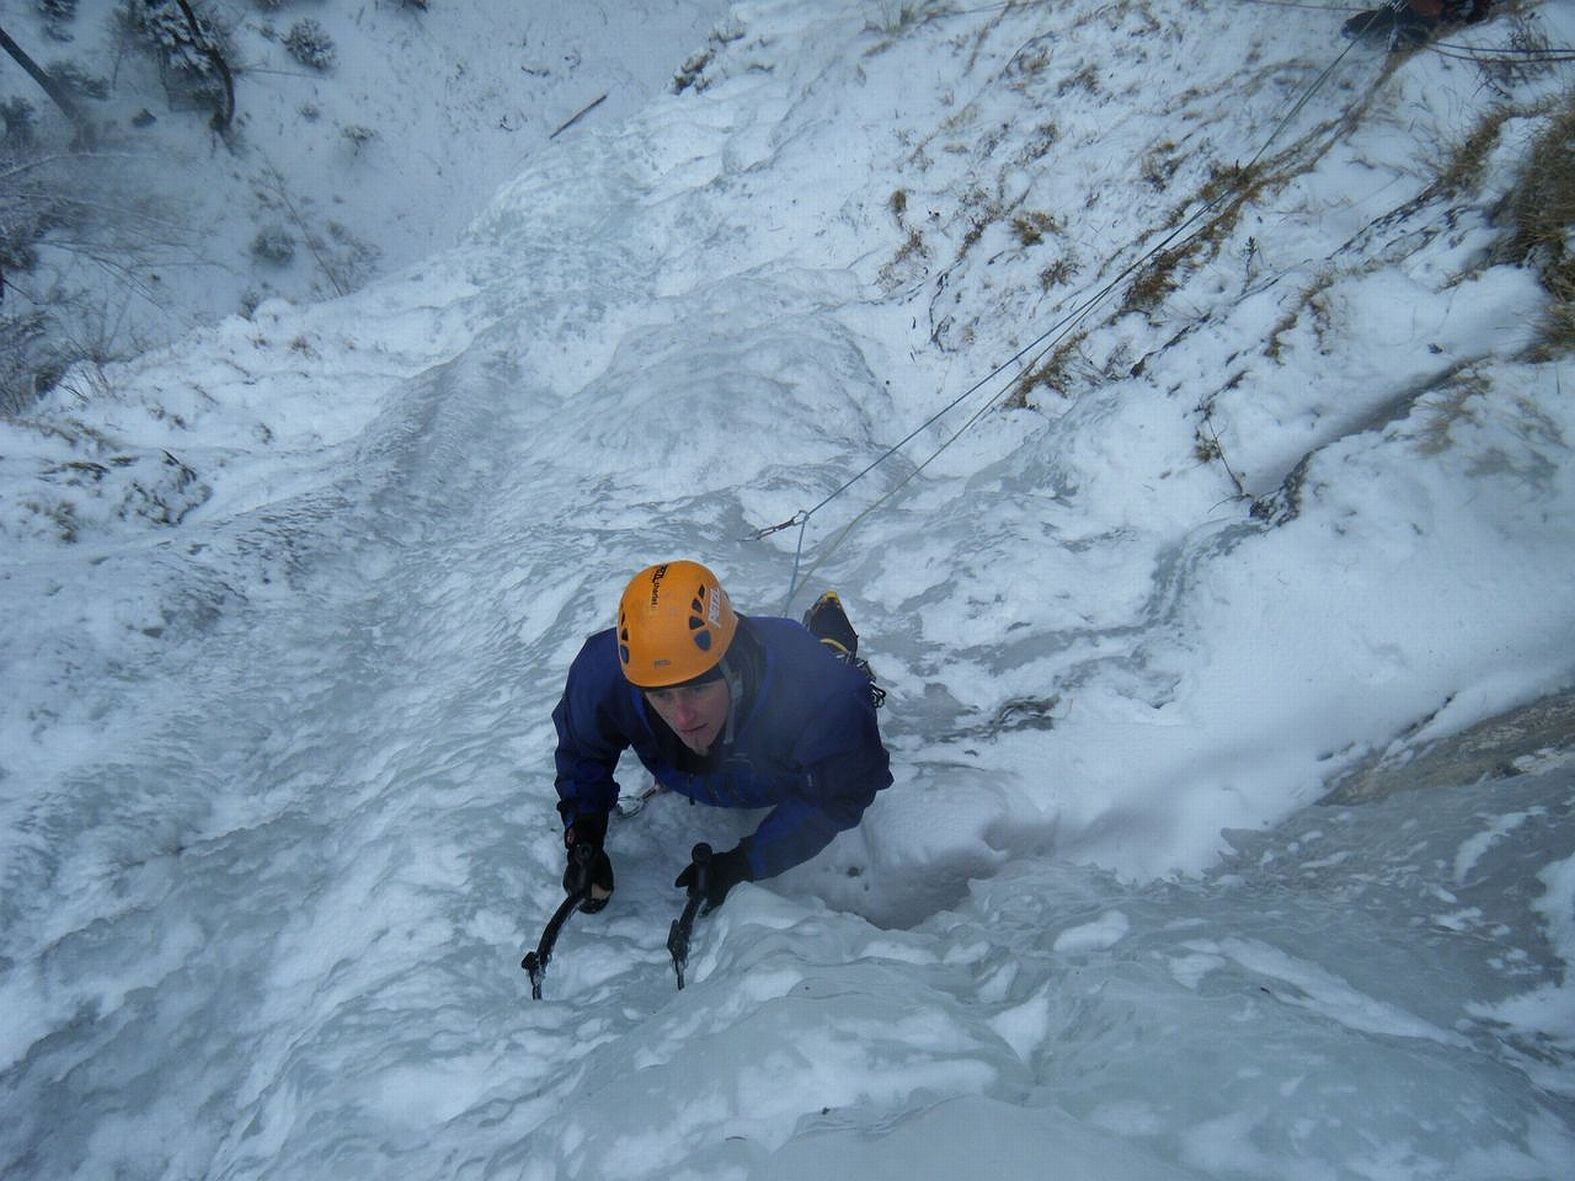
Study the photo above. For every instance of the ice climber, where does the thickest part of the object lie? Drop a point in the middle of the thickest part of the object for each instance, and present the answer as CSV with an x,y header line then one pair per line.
x,y
731,710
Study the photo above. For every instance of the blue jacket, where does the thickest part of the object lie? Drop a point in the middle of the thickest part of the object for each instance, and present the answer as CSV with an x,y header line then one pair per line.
x,y
805,742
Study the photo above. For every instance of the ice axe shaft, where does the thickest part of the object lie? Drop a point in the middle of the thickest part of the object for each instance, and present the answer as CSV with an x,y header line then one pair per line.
x,y
535,962
678,933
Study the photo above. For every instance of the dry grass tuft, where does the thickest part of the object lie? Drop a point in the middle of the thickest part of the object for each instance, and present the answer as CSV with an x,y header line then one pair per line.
x,y
1060,272
1032,227
1541,213
1449,405
1464,166
1154,282
1057,373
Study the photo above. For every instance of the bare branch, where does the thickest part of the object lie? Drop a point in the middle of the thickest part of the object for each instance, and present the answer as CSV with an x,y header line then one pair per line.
x,y
53,89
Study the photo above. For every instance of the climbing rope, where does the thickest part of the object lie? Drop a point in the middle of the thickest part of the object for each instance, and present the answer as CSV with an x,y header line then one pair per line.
x,y
1503,55
1177,238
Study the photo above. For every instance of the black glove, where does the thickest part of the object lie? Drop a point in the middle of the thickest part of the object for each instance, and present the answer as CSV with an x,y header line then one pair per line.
x,y
719,875
589,868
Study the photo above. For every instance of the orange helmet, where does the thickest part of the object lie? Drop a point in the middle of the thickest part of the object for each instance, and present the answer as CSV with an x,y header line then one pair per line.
x,y
674,624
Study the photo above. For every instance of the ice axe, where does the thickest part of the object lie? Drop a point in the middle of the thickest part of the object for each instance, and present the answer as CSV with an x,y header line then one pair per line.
x,y
535,962
678,933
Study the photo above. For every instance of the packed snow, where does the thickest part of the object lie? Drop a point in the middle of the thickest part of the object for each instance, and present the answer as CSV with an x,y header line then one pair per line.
x,y
328,174
286,605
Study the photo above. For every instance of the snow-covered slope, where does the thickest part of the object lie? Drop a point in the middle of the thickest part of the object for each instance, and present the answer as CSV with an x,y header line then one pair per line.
x,y
286,607
343,162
